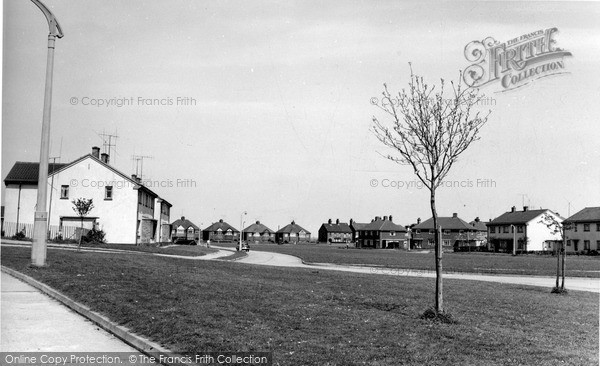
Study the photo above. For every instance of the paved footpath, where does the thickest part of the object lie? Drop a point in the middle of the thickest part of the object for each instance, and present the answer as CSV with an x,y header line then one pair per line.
x,y
33,322
283,260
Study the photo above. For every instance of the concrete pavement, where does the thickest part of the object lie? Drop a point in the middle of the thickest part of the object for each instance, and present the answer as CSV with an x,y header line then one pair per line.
x,y
33,322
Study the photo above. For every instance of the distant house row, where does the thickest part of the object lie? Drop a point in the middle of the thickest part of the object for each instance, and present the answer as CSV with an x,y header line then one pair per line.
x,y
258,233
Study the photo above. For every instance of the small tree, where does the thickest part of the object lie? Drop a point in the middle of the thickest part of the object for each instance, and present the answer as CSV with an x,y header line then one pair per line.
x,y
428,133
556,227
82,208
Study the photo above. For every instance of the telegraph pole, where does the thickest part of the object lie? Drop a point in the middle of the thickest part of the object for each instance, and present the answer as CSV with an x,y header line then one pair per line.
x,y
40,224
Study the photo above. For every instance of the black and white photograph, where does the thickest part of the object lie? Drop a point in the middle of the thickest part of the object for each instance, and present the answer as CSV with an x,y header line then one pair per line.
x,y
335,183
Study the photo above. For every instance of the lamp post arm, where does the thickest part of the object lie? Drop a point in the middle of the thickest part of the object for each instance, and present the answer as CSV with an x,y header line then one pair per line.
x,y
55,29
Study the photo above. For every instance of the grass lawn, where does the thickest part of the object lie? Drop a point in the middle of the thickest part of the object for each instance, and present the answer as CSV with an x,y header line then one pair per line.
x,y
185,250
531,264
310,317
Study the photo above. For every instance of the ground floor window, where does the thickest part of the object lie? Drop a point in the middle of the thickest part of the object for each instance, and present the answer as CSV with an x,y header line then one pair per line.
x,y
586,245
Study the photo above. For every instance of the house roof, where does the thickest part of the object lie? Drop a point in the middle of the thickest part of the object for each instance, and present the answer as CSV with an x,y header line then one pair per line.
x,y
185,223
221,225
257,227
517,217
449,223
292,228
340,227
28,172
383,225
588,214
478,225
357,225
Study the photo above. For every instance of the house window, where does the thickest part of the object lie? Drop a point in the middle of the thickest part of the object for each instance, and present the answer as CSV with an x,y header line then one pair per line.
x,y
431,231
417,231
64,192
506,229
108,193
520,228
575,227
586,227
492,229
568,243
392,233
447,232
446,242
597,227
586,245
512,229
597,244
460,231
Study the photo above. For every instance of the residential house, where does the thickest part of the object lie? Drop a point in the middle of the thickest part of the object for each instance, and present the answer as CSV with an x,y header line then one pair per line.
x,y
456,233
124,208
383,234
356,227
292,233
221,232
258,233
184,231
583,230
339,232
526,229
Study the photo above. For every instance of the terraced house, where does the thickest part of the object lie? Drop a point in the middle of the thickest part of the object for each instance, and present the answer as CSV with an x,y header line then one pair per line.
x,y
583,231
340,232
221,232
383,234
126,210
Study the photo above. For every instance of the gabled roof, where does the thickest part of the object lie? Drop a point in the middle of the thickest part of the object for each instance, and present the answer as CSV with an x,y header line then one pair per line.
x,y
341,227
588,214
221,225
448,223
517,217
478,225
357,225
257,227
185,223
28,172
292,228
383,225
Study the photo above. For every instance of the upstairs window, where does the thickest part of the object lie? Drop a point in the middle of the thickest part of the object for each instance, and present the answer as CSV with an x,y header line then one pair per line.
x,y
492,229
520,228
586,227
64,192
108,193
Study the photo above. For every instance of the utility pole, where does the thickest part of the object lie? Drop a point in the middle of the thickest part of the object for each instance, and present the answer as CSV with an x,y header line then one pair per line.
x,y
40,223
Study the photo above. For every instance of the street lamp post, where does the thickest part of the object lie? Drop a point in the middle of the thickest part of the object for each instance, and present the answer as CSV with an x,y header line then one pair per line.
x,y
40,224
242,228
514,249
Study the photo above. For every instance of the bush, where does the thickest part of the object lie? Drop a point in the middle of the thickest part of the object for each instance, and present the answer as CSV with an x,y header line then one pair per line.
x,y
20,235
95,236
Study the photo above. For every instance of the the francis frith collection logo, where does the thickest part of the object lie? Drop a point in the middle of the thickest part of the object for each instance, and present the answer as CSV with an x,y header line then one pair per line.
x,y
515,62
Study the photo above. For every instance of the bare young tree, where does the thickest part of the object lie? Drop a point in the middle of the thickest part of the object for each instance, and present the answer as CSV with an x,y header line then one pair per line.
x,y
556,227
428,131
82,208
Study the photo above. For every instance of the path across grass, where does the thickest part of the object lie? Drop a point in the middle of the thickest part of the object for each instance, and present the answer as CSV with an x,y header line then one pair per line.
x,y
495,263
312,317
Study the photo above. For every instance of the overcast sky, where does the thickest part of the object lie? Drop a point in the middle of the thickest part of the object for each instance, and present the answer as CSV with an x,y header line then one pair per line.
x,y
278,119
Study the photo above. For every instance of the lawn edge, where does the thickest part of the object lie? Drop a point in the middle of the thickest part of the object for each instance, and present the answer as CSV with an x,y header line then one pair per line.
x,y
142,344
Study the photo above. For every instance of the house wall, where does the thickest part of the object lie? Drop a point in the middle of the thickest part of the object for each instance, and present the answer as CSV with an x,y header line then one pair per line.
x,y
27,204
538,234
593,236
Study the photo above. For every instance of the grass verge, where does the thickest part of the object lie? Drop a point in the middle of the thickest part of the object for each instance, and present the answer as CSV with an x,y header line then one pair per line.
x,y
309,317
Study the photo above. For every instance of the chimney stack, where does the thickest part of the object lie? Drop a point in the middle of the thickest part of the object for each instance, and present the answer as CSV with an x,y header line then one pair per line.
x,y
293,222
418,221
337,221
257,222
138,180
96,152
329,221
134,177
390,217
477,219
182,218
351,222
525,208
385,218
455,215
104,158
512,209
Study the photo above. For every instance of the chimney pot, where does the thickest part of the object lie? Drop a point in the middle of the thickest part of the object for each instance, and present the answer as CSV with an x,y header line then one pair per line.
x,y
477,219
138,180
525,208
96,152
512,209
104,158
257,222
418,220
221,220
182,218
337,221
390,217
134,177
455,215
385,218
329,221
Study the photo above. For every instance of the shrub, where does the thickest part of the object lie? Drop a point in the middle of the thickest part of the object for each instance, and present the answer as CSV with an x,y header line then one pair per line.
x,y
95,236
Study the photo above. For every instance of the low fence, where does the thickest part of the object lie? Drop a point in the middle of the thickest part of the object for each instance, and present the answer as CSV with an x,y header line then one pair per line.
x,y
9,229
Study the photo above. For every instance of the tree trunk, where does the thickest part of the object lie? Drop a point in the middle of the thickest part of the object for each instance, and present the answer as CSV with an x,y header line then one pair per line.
x,y
439,299
564,256
80,235
558,250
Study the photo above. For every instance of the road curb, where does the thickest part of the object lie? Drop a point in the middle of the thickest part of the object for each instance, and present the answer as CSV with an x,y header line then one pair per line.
x,y
142,344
